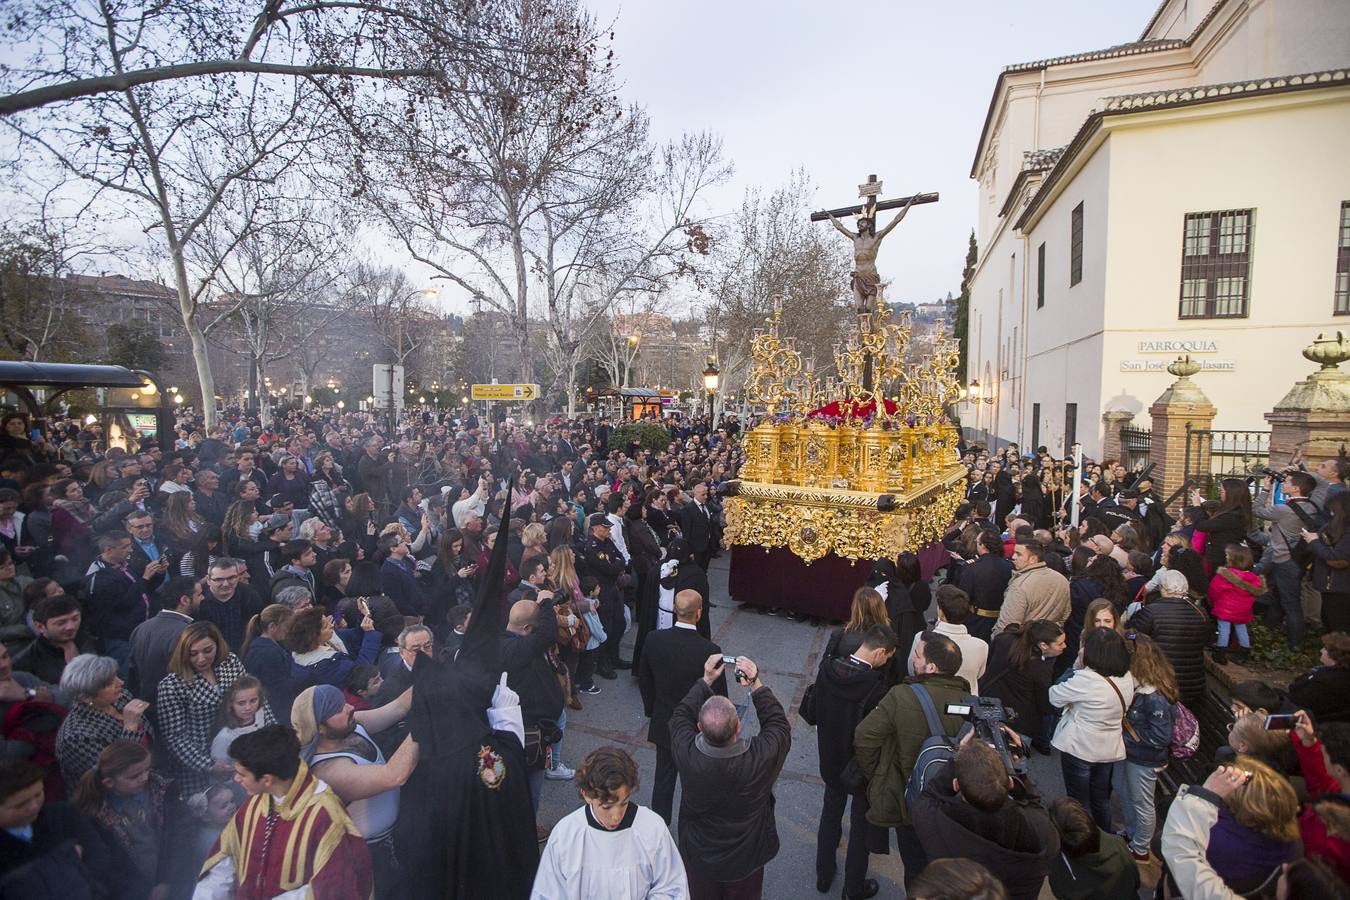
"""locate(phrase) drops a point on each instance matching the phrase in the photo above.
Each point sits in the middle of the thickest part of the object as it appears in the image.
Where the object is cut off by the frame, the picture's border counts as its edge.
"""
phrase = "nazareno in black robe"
(687, 576)
(466, 824)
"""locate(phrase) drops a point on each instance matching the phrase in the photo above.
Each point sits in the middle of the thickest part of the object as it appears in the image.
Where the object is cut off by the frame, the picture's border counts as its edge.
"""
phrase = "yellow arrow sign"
(504, 391)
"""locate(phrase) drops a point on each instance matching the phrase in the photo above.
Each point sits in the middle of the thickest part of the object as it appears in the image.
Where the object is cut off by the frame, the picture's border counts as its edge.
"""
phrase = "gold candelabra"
(879, 477)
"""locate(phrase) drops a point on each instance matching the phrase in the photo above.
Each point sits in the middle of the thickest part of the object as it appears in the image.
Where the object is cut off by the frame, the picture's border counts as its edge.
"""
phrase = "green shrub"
(1270, 649)
(649, 436)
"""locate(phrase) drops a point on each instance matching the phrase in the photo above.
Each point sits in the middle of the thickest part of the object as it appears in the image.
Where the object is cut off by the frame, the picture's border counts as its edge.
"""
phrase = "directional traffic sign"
(504, 391)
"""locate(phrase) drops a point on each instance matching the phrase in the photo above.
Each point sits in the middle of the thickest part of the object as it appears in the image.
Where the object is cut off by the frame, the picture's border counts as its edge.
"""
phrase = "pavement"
(787, 654)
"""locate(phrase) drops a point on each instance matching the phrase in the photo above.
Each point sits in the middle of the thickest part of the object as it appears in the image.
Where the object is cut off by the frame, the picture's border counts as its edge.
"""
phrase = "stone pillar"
(1315, 414)
(1115, 420)
(1180, 405)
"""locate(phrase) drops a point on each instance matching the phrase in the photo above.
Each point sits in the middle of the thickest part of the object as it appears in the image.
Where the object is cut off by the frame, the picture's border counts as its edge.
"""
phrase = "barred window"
(1216, 264)
(1342, 305)
(1040, 276)
(1076, 246)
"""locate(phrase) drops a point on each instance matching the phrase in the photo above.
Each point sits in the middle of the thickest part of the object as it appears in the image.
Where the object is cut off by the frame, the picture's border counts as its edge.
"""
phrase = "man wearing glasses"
(228, 603)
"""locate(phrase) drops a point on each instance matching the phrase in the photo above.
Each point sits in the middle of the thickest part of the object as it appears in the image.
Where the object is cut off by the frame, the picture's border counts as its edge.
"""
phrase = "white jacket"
(1090, 728)
(974, 652)
(1185, 840)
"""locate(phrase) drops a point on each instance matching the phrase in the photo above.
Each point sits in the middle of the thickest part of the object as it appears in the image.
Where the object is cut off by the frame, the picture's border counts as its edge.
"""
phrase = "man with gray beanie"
(336, 744)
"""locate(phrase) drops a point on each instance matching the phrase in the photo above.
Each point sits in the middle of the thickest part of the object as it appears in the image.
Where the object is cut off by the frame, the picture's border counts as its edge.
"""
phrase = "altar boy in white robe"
(611, 848)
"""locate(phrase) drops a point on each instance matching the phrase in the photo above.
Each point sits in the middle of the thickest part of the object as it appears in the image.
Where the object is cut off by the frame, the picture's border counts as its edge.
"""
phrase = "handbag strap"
(1124, 709)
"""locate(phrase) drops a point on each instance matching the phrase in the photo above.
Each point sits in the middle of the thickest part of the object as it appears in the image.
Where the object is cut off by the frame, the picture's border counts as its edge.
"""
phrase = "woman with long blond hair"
(867, 609)
(563, 572)
(1236, 836)
(1152, 714)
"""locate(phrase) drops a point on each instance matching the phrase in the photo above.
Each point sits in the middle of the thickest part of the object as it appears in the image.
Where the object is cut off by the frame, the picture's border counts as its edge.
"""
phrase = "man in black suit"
(672, 660)
(985, 581)
(565, 449)
(847, 689)
(566, 475)
(697, 524)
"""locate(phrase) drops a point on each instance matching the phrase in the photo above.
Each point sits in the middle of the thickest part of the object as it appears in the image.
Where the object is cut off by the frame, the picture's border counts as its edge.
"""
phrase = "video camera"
(985, 715)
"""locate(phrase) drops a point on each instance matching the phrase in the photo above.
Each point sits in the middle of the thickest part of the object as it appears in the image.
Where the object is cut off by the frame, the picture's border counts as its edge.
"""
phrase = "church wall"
(1064, 336)
(1282, 159)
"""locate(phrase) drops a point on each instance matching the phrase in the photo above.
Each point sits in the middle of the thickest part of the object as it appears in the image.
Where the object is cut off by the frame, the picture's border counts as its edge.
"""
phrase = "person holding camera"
(976, 809)
(1285, 573)
(727, 830)
(899, 727)
(847, 688)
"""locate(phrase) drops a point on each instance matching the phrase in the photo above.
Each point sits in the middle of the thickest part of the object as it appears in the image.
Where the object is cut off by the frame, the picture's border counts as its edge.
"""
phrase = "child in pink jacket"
(1232, 593)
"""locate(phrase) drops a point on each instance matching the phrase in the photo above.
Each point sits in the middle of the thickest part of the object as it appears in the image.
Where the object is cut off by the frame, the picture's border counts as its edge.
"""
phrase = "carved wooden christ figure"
(867, 240)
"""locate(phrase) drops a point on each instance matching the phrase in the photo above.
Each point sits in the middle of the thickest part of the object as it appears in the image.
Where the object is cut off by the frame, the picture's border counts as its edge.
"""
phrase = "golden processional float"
(863, 465)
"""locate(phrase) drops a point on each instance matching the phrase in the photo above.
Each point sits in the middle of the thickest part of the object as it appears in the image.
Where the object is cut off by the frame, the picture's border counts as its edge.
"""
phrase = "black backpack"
(1299, 551)
(936, 751)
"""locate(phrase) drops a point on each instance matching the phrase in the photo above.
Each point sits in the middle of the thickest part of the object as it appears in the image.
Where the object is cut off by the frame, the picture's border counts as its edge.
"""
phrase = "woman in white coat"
(1090, 738)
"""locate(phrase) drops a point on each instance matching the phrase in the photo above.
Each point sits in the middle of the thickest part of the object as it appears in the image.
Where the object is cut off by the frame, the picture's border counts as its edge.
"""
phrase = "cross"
(866, 243)
(871, 206)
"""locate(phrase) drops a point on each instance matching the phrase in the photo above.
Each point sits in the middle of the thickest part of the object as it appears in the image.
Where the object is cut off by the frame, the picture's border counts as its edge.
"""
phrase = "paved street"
(787, 653)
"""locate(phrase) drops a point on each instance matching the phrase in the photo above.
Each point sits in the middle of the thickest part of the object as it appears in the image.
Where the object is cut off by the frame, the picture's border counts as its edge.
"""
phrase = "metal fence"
(1213, 455)
(1134, 447)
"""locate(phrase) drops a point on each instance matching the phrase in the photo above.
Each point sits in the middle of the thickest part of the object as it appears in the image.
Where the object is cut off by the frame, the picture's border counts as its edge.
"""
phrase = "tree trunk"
(572, 359)
(200, 357)
(520, 322)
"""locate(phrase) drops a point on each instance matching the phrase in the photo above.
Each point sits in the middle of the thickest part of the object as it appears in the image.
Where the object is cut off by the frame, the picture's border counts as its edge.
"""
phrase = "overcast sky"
(893, 87)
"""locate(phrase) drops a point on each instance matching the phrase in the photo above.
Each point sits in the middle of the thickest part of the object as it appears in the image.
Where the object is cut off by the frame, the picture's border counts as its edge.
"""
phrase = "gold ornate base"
(813, 521)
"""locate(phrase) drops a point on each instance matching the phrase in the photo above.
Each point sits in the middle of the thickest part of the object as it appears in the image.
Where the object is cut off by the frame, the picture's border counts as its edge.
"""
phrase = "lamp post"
(712, 380)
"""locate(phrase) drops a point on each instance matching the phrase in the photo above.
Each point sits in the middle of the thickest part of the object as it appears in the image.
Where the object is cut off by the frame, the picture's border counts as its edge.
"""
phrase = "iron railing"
(1213, 455)
(1134, 447)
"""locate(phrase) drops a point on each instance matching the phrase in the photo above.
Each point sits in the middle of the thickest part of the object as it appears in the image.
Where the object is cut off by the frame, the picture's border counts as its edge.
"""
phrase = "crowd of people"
(334, 657)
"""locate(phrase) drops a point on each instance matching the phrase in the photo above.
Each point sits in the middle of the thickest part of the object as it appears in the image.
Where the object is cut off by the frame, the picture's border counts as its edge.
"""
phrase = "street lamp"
(974, 395)
(342, 404)
(712, 378)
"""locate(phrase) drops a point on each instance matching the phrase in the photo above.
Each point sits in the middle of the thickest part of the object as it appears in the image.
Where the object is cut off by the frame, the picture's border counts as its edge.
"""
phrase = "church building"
(1184, 193)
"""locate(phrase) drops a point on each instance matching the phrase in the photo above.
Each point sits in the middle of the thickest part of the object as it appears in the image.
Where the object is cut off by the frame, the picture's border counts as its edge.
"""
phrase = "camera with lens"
(985, 716)
(1271, 473)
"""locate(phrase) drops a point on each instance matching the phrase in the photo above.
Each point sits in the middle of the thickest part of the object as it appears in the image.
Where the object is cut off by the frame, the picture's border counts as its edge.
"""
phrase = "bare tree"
(772, 249)
(96, 92)
(39, 300)
(77, 49)
(590, 255)
(484, 183)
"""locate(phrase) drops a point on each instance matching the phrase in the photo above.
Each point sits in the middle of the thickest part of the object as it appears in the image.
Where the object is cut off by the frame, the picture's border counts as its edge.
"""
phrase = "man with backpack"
(1287, 565)
(972, 808)
(908, 737)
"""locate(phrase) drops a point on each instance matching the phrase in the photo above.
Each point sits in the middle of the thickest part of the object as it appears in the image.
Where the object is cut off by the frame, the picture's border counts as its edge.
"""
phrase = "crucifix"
(866, 242)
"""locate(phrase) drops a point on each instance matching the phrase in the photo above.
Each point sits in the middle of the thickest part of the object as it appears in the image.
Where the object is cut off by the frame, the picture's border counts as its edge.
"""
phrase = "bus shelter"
(133, 402)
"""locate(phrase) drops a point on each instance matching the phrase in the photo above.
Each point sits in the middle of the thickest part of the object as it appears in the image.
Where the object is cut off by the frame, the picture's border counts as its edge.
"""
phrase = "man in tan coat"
(1035, 591)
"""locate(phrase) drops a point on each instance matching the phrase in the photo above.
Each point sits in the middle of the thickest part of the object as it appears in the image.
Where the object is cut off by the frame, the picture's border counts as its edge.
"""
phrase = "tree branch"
(108, 84)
